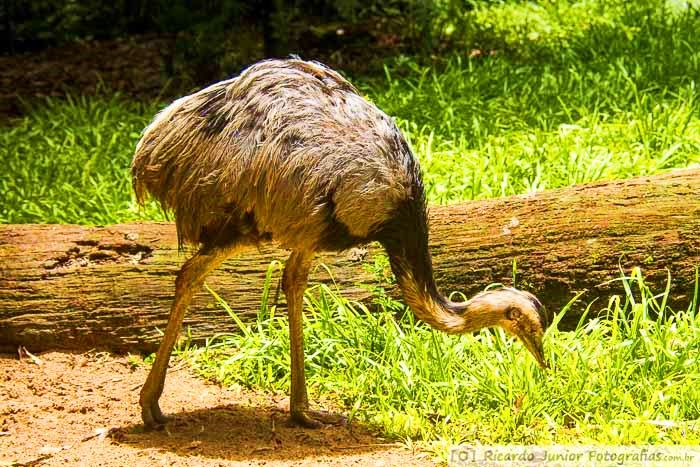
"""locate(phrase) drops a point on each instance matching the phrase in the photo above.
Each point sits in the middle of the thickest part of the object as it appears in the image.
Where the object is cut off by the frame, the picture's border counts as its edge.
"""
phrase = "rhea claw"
(317, 419)
(153, 417)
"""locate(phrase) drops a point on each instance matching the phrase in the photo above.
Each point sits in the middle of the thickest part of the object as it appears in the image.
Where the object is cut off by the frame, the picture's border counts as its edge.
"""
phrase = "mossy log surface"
(78, 287)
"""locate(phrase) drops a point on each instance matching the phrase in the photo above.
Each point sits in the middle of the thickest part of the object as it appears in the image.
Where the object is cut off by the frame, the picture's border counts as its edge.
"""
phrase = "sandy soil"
(82, 409)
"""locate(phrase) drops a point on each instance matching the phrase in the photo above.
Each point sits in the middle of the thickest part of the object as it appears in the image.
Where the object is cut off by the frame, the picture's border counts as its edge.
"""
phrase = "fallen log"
(77, 287)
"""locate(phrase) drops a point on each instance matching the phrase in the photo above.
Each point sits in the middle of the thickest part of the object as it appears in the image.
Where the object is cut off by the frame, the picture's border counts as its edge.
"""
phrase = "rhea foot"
(153, 418)
(316, 418)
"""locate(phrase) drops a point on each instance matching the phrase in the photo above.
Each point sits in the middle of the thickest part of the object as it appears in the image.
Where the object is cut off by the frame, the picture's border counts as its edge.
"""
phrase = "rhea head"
(518, 312)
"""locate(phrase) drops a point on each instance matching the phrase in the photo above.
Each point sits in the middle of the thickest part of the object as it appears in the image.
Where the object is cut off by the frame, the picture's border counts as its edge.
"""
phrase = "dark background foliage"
(213, 38)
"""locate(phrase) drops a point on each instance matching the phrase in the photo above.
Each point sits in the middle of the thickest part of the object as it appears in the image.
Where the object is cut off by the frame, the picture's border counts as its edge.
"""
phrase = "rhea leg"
(294, 280)
(189, 280)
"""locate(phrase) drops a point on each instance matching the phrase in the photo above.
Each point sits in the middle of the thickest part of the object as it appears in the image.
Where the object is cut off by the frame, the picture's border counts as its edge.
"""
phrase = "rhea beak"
(532, 340)
(533, 343)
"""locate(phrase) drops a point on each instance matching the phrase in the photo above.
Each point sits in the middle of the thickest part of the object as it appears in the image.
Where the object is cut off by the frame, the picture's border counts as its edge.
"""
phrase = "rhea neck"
(406, 242)
(421, 294)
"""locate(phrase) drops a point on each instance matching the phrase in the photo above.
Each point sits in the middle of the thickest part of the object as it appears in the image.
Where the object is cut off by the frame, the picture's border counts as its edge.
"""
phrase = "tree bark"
(77, 287)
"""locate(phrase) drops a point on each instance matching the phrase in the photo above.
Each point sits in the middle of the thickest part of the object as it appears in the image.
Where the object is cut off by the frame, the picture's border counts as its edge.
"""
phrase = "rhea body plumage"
(289, 151)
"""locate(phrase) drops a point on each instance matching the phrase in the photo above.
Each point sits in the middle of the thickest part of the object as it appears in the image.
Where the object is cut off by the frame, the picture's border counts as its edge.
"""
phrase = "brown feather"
(288, 146)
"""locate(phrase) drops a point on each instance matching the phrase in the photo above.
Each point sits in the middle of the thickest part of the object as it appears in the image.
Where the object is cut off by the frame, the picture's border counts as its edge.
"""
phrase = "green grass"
(574, 92)
(68, 161)
(615, 98)
(627, 379)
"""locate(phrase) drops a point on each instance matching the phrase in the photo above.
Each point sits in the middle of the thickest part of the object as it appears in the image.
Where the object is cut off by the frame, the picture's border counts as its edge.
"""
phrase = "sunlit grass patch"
(639, 142)
(67, 161)
(500, 128)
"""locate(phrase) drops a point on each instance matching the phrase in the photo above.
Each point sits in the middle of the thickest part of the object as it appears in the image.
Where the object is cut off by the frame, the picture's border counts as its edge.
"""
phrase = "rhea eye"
(512, 313)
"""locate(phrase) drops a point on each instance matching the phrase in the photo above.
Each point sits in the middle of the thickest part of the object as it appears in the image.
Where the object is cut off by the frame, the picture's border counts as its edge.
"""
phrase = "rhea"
(289, 151)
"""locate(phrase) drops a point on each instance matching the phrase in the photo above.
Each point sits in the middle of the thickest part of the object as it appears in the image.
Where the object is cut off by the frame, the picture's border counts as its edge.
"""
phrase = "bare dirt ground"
(82, 409)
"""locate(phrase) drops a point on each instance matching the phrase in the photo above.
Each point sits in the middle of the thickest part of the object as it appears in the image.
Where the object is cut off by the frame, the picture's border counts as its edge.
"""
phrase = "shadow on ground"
(240, 433)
